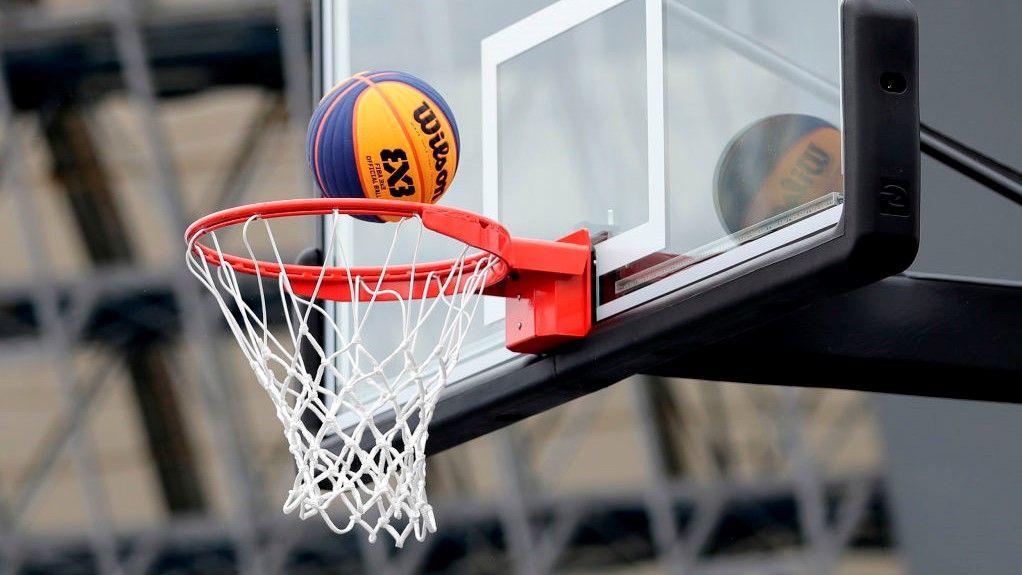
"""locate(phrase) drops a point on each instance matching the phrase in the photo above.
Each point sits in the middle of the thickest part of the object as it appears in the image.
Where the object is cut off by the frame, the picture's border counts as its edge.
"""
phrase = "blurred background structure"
(132, 440)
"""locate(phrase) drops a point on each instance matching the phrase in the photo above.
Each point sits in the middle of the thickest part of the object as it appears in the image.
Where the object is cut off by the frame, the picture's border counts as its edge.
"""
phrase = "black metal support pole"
(972, 164)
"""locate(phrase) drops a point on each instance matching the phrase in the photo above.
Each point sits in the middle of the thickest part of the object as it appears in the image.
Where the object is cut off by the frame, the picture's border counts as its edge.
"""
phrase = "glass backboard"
(696, 140)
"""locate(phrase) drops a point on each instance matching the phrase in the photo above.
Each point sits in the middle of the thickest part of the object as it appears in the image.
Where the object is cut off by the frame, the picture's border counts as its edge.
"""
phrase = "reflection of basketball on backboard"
(383, 135)
(775, 165)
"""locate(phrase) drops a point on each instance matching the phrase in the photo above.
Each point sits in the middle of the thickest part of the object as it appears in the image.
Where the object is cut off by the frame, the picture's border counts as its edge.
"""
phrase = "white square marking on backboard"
(528, 33)
(544, 26)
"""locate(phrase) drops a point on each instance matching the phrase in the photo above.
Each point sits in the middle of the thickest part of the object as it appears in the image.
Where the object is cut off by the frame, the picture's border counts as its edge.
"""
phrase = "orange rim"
(389, 283)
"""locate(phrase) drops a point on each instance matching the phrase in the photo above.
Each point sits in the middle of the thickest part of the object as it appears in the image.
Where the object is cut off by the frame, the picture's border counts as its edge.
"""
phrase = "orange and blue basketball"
(385, 135)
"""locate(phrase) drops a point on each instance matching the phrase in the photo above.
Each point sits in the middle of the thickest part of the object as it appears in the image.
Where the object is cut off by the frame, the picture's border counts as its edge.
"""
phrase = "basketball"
(384, 135)
(775, 165)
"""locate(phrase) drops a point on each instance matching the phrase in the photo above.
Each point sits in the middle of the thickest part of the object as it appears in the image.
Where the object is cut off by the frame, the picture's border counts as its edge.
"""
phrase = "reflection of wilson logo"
(812, 164)
(395, 163)
(427, 120)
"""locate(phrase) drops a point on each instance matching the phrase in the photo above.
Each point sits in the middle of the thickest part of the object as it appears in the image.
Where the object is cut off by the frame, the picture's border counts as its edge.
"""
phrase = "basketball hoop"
(356, 421)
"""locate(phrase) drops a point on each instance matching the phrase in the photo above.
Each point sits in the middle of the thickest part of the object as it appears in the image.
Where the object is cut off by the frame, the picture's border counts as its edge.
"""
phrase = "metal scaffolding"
(698, 511)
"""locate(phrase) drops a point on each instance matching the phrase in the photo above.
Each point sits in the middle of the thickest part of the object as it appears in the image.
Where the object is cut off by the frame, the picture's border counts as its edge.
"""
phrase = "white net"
(356, 419)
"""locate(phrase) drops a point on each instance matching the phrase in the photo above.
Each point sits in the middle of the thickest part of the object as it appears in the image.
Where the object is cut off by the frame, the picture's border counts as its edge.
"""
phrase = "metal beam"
(169, 437)
(809, 491)
(78, 168)
(598, 513)
(56, 440)
(515, 505)
(192, 48)
(659, 508)
(55, 337)
(241, 168)
(79, 171)
(233, 449)
(929, 336)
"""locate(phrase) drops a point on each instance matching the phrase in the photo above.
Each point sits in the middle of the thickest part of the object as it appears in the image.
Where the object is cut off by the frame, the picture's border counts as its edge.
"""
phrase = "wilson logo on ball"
(426, 118)
(811, 164)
